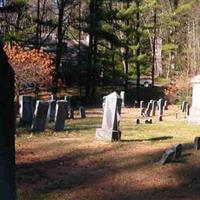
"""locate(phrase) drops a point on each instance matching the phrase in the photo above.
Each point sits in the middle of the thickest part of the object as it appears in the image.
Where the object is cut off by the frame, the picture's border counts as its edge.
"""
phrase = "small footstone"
(167, 157)
(137, 121)
(197, 143)
(178, 150)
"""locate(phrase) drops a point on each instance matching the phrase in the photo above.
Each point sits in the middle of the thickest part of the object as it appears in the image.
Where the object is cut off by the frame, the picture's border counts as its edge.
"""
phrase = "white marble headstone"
(194, 116)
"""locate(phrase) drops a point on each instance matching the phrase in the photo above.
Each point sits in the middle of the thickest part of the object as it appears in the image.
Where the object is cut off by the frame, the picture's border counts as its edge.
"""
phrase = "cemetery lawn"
(72, 165)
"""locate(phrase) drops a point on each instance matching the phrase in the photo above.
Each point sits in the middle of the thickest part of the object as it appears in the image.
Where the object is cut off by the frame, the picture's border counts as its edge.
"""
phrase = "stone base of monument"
(108, 134)
(194, 117)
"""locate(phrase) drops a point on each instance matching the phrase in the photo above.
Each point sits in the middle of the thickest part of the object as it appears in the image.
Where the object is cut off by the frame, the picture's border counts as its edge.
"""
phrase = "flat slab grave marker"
(40, 116)
(111, 119)
(60, 115)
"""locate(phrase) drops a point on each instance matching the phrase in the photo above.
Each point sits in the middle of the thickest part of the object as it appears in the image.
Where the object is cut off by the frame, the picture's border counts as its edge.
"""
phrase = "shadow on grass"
(149, 139)
(89, 168)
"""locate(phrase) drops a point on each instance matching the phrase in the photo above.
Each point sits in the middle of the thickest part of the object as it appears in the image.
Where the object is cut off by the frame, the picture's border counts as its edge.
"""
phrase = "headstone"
(160, 118)
(142, 109)
(54, 97)
(111, 119)
(40, 116)
(197, 143)
(51, 111)
(69, 100)
(167, 157)
(160, 107)
(7, 129)
(148, 109)
(153, 110)
(165, 105)
(194, 116)
(122, 95)
(183, 106)
(187, 110)
(82, 112)
(178, 150)
(60, 115)
(148, 121)
(137, 121)
(71, 113)
(26, 109)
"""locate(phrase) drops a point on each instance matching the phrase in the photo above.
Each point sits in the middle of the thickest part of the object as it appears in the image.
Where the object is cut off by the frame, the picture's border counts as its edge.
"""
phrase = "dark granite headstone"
(197, 143)
(160, 118)
(82, 112)
(7, 129)
(111, 119)
(60, 115)
(40, 116)
(167, 157)
(178, 150)
(26, 109)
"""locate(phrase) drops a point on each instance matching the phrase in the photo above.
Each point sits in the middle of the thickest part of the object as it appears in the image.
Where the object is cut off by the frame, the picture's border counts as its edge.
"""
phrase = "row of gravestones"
(38, 113)
(112, 105)
(152, 106)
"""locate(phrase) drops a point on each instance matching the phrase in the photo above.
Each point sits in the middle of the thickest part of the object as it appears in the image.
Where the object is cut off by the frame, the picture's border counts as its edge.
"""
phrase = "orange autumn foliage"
(31, 66)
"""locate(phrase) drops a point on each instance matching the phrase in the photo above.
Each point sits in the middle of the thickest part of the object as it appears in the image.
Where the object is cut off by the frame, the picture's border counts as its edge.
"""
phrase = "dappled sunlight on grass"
(72, 165)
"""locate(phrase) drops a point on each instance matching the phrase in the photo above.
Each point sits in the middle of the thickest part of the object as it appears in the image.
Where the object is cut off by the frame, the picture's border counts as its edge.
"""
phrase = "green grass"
(80, 146)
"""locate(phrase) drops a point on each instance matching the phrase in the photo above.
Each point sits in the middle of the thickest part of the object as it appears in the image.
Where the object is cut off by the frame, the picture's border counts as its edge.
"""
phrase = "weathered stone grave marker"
(160, 107)
(82, 112)
(197, 143)
(26, 109)
(194, 116)
(153, 110)
(40, 116)
(148, 109)
(60, 115)
(111, 119)
(142, 109)
(167, 157)
(178, 150)
(122, 95)
(51, 110)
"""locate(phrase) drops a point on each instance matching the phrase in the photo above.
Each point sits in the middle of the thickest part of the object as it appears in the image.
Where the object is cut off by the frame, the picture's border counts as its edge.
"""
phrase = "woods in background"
(108, 42)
